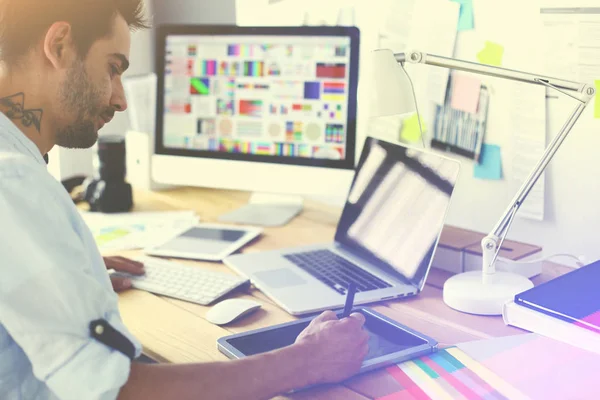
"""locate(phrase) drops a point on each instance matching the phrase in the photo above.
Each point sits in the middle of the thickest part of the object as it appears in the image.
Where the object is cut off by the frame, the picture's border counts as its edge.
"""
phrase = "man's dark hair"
(24, 22)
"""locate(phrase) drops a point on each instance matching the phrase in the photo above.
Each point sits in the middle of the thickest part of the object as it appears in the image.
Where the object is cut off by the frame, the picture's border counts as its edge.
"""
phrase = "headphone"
(107, 197)
(108, 191)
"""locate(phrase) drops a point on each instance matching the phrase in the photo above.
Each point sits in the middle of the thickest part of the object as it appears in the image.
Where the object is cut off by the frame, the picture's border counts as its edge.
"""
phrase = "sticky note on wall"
(466, 16)
(465, 92)
(410, 129)
(597, 100)
(490, 163)
(491, 54)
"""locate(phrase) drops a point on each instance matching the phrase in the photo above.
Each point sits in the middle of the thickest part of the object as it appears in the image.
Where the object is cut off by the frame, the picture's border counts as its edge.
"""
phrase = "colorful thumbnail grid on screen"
(286, 98)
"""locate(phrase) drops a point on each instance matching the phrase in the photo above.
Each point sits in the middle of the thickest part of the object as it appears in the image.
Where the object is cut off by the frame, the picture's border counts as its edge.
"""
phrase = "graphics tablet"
(211, 242)
(389, 341)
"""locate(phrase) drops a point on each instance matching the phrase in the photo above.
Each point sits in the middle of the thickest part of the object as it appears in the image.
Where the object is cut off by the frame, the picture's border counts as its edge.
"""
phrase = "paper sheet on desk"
(135, 230)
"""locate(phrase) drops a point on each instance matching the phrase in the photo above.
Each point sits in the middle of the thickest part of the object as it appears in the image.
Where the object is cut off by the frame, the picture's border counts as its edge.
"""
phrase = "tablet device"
(389, 341)
(211, 242)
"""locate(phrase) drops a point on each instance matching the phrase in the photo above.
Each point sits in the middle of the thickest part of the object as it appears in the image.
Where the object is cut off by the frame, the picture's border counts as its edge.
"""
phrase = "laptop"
(384, 242)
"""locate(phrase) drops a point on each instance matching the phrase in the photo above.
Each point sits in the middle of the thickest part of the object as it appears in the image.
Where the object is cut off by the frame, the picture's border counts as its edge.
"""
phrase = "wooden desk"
(176, 331)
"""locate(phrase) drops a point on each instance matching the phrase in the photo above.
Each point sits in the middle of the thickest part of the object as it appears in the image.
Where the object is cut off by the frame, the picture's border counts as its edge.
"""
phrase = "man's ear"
(59, 48)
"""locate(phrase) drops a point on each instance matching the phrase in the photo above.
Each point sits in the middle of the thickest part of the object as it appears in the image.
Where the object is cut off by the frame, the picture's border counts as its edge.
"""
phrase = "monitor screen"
(396, 207)
(285, 95)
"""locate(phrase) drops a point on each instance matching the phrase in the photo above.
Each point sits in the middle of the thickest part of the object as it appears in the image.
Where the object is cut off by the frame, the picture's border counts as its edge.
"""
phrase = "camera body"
(109, 192)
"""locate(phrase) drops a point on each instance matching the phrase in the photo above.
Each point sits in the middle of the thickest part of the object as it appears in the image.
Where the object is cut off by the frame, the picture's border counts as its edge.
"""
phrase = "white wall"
(572, 196)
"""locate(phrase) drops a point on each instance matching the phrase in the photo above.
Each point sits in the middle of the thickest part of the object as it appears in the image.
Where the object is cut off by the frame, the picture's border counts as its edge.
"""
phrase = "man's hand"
(337, 347)
(122, 264)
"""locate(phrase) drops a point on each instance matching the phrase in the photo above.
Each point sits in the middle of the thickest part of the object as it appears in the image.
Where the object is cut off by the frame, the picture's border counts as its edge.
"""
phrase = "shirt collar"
(19, 140)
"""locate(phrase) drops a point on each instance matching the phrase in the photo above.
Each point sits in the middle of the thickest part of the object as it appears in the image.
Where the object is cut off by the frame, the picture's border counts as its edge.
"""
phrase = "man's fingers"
(358, 317)
(326, 316)
(123, 264)
(120, 283)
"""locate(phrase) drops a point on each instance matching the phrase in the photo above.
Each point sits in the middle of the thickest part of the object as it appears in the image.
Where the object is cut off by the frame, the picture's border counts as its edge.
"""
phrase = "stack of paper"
(136, 230)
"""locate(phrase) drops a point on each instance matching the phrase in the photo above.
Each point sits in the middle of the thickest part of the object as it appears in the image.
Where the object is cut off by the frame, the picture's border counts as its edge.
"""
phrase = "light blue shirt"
(53, 283)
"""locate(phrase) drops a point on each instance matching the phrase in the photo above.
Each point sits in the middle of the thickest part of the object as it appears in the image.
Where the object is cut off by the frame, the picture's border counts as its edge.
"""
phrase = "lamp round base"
(466, 292)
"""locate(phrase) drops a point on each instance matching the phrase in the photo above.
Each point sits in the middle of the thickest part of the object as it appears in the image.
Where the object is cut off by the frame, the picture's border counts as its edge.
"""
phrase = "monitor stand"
(266, 210)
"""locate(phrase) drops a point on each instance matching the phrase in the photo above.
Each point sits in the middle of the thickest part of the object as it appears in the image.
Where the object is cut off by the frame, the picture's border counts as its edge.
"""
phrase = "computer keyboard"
(183, 282)
(335, 271)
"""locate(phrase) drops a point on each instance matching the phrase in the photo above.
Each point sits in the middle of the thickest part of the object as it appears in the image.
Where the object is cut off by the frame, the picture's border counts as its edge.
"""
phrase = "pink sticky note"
(465, 93)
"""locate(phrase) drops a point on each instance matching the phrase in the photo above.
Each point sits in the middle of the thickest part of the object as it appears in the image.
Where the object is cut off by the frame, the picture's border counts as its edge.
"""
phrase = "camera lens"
(111, 157)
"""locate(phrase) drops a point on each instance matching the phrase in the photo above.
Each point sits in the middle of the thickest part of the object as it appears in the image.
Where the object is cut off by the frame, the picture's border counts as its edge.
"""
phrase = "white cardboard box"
(459, 250)
(449, 255)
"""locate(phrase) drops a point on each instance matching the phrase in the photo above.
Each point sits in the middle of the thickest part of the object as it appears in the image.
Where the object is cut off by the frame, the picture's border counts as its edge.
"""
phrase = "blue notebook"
(573, 297)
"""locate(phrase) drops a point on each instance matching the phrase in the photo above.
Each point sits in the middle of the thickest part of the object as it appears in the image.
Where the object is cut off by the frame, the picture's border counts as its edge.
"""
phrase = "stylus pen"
(349, 300)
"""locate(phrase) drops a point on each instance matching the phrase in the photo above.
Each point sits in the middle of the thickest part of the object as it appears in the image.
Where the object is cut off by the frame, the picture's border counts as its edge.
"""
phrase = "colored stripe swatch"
(285, 149)
(244, 50)
(334, 87)
(334, 133)
(200, 86)
(253, 68)
(206, 68)
(264, 149)
(293, 131)
(334, 91)
(302, 107)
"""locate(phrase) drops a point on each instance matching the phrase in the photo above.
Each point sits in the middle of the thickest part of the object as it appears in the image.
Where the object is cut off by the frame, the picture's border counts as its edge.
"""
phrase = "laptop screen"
(396, 207)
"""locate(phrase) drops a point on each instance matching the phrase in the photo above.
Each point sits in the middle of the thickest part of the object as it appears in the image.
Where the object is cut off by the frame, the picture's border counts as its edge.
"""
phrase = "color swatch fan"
(515, 367)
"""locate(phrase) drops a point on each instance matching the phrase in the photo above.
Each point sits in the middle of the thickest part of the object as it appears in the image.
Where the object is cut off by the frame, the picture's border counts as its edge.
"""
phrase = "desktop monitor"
(261, 109)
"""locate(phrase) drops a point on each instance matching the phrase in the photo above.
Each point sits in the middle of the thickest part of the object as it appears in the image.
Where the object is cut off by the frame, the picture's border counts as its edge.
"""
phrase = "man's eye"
(114, 70)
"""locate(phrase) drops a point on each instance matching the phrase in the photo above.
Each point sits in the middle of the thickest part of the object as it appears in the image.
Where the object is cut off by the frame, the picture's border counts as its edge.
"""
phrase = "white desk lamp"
(475, 292)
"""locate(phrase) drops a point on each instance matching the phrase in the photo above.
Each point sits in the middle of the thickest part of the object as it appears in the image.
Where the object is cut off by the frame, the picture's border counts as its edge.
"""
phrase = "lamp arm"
(416, 57)
(489, 245)
(492, 243)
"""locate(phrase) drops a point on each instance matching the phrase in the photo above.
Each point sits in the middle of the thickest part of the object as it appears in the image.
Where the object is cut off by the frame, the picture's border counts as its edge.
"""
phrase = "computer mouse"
(230, 310)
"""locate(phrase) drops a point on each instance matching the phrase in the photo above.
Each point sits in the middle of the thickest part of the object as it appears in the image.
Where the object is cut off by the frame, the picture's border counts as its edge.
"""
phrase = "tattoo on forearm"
(15, 109)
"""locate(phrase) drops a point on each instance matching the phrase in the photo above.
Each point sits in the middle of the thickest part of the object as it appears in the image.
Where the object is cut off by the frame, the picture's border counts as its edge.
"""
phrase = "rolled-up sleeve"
(49, 295)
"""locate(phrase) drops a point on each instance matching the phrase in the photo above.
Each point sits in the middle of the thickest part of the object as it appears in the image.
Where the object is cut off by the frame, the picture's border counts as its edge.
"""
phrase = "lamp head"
(392, 92)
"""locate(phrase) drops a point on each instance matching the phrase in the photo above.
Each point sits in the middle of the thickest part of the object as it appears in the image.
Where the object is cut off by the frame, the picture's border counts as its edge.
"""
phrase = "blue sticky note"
(466, 17)
(490, 163)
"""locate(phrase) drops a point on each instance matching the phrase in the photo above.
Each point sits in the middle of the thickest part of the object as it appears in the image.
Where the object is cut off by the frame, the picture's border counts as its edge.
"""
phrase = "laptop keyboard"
(335, 271)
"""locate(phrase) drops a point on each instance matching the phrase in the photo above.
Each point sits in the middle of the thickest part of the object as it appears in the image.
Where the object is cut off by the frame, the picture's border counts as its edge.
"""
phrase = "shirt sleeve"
(49, 295)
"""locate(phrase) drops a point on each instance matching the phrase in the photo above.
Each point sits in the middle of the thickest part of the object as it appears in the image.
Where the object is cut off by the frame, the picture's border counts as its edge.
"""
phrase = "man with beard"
(61, 63)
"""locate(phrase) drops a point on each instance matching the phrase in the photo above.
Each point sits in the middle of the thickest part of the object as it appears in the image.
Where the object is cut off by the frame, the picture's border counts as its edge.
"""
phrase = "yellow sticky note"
(410, 129)
(491, 54)
(597, 101)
